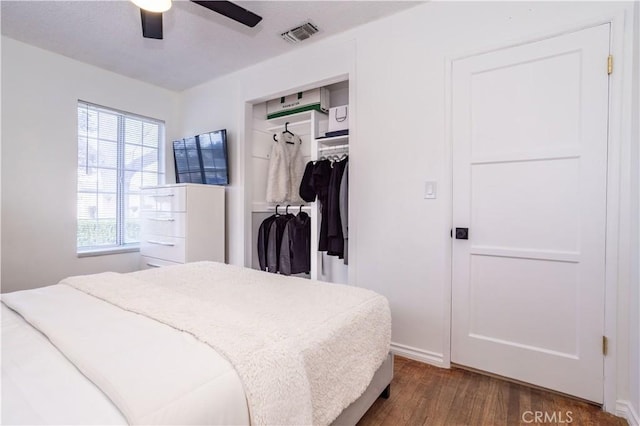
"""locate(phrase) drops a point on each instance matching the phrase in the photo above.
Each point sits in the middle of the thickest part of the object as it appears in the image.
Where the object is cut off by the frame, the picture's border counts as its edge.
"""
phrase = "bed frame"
(380, 386)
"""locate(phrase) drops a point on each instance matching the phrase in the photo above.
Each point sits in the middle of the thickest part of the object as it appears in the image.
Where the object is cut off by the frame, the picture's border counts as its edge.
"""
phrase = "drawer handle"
(153, 265)
(162, 195)
(161, 243)
(162, 219)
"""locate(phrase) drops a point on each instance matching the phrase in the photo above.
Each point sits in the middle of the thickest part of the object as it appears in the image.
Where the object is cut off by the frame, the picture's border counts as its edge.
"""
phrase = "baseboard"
(417, 354)
(625, 410)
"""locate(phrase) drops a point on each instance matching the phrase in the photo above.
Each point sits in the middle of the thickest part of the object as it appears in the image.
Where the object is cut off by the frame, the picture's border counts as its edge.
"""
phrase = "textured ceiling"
(198, 44)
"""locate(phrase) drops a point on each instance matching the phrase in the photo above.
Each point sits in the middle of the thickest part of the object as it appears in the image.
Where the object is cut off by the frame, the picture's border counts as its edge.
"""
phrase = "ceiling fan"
(151, 14)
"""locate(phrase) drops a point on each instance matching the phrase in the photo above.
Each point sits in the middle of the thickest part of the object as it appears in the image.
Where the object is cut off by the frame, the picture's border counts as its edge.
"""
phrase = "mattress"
(203, 343)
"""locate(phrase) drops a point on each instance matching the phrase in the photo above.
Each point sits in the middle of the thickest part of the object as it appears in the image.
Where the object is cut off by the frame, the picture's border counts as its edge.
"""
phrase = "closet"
(311, 127)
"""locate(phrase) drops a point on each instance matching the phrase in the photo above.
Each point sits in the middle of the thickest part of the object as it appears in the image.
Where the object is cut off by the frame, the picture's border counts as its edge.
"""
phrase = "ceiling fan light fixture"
(157, 6)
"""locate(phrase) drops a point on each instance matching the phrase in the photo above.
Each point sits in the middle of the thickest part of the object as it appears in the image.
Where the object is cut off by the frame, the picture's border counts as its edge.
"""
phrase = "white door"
(529, 126)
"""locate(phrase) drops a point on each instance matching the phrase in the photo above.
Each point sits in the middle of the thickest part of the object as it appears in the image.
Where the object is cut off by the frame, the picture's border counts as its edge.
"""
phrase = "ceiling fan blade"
(151, 24)
(233, 11)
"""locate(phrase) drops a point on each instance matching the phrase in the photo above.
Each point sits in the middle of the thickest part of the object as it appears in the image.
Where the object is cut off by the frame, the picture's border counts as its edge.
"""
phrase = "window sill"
(107, 251)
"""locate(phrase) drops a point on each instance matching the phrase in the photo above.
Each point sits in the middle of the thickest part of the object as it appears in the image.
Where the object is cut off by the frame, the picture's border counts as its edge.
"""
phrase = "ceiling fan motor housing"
(152, 21)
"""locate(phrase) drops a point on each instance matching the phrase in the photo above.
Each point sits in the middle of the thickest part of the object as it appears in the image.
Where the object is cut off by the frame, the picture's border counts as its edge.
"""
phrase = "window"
(118, 153)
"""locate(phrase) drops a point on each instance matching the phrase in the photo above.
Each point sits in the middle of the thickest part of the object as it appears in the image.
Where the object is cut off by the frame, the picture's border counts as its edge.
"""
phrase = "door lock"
(462, 233)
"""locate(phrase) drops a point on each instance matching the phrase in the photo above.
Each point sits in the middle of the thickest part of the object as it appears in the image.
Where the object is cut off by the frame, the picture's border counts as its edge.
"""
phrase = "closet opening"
(297, 189)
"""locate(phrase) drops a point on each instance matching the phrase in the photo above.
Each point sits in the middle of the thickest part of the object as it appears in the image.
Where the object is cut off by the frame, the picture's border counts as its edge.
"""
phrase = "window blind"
(118, 153)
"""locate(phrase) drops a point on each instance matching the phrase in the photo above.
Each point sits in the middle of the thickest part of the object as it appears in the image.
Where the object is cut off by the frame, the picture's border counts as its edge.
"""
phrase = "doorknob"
(462, 233)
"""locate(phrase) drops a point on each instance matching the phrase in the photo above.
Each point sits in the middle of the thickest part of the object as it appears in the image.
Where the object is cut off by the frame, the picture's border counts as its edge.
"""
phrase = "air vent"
(300, 33)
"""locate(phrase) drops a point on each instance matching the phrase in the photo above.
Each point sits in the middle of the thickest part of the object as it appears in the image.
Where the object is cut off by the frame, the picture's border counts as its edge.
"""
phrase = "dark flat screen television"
(202, 159)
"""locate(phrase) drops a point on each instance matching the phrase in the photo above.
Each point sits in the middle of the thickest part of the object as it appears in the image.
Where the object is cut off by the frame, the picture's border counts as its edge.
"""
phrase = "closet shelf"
(333, 147)
(293, 118)
(335, 140)
(291, 124)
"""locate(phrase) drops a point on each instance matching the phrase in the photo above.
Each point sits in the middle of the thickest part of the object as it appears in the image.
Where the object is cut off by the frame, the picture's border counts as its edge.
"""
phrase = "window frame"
(120, 246)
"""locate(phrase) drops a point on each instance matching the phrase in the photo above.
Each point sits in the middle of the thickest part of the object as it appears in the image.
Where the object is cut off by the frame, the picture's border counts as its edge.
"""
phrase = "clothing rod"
(327, 148)
(292, 207)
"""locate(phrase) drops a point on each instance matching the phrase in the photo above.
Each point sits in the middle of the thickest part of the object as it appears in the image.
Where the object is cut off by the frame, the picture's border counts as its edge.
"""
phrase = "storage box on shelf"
(315, 99)
(182, 223)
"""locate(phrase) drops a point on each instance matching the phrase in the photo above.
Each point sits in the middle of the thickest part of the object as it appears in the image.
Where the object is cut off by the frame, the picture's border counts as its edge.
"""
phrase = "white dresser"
(182, 223)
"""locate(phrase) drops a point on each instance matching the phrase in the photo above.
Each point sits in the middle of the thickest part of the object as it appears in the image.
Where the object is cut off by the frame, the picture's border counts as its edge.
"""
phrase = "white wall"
(40, 91)
(397, 66)
(204, 110)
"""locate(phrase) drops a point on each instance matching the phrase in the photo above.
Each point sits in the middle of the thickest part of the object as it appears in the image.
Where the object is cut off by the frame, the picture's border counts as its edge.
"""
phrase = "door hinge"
(610, 64)
(605, 345)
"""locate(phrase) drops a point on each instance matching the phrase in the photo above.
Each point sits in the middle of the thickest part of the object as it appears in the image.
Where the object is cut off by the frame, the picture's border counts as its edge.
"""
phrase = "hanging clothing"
(344, 211)
(320, 185)
(295, 250)
(278, 174)
(335, 238)
(275, 241)
(306, 190)
(263, 240)
(286, 168)
(296, 169)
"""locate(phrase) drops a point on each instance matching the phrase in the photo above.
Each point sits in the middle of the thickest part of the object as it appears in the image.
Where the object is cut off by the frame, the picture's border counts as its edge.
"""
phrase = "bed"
(201, 343)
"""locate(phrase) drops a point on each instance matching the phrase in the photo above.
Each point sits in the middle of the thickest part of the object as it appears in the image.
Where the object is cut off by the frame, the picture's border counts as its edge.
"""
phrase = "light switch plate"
(430, 189)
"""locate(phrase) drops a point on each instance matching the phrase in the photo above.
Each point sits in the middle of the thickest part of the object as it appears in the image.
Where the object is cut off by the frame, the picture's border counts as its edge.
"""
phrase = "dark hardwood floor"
(425, 395)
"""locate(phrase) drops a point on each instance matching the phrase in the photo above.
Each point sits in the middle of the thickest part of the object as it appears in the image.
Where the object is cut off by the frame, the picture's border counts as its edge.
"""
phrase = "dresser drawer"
(150, 262)
(170, 224)
(173, 199)
(163, 247)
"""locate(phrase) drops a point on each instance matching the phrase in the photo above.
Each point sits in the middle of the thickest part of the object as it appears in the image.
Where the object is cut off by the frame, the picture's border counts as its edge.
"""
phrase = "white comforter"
(152, 373)
(40, 386)
(303, 350)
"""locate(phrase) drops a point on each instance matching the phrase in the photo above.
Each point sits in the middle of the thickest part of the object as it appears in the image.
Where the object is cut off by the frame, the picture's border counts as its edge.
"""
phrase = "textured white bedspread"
(304, 350)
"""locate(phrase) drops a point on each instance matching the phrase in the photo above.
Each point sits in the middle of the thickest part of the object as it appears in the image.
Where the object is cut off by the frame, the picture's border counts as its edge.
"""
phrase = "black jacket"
(275, 241)
(263, 240)
(320, 184)
(295, 250)
(335, 238)
(307, 192)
